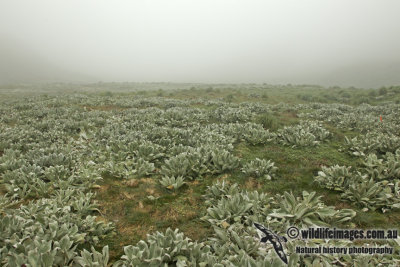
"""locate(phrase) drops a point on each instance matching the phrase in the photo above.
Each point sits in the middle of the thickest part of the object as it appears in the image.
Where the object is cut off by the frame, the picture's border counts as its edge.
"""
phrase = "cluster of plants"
(260, 168)
(47, 210)
(374, 185)
(375, 140)
(252, 133)
(232, 213)
(55, 149)
(362, 118)
(372, 142)
(51, 231)
(307, 133)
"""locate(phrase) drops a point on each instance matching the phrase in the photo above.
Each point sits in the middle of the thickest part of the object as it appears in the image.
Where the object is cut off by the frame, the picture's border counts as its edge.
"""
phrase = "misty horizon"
(343, 43)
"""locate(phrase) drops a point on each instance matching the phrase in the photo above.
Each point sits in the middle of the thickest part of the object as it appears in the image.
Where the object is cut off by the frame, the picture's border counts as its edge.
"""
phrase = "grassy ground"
(128, 206)
(126, 203)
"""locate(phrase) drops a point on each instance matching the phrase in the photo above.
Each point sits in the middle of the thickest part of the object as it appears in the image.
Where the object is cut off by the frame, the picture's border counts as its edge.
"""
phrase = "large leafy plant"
(335, 177)
(260, 168)
(172, 182)
(308, 210)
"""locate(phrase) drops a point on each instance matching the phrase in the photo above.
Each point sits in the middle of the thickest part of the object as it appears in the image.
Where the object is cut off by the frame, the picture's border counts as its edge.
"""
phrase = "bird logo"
(275, 240)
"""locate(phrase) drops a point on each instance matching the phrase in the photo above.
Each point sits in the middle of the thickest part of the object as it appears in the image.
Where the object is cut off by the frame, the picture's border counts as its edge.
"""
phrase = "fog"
(331, 42)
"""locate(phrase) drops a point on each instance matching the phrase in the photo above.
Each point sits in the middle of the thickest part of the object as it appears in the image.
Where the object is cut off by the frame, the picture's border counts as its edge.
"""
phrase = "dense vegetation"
(103, 174)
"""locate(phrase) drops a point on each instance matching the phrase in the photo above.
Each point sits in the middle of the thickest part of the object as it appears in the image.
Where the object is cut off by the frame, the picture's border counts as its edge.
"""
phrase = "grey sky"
(320, 41)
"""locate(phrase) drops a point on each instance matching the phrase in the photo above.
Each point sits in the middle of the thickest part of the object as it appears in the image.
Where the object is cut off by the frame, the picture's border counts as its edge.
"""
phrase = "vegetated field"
(103, 174)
